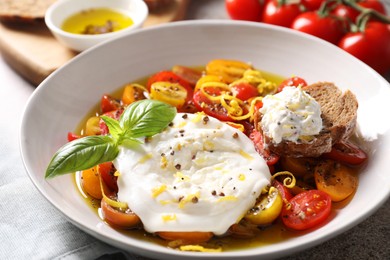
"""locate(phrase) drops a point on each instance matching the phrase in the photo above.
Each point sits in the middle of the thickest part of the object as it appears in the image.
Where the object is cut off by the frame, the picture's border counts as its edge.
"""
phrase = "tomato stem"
(365, 12)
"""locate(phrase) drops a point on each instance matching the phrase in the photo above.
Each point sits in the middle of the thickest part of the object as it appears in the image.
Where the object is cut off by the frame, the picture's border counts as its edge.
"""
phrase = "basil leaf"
(82, 154)
(146, 118)
(113, 126)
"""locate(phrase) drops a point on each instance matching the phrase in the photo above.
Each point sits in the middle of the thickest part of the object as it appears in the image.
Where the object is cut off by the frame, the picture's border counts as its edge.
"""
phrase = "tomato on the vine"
(281, 13)
(372, 46)
(312, 5)
(248, 10)
(350, 14)
(321, 25)
(306, 210)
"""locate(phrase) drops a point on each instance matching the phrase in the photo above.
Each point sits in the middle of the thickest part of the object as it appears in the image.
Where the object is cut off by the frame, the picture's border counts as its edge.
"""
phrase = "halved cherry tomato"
(73, 136)
(228, 70)
(108, 103)
(270, 157)
(90, 181)
(243, 230)
(188, 74)
(168, 92)
(116, 218)
(298, 166)
(247, 10)
(244, 90)
(92, 126)
(347, 152)
(169, 76)
(132, 93)
(292, 82)
(187, 237)
(335, 179)
(211, 108)
(116, 114)
(283, 191)
(106, 171)
(280, 13)
(306, 210)
(267, 209)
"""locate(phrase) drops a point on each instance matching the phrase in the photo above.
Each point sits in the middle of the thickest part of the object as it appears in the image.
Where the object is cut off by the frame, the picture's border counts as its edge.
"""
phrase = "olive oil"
(96, 21)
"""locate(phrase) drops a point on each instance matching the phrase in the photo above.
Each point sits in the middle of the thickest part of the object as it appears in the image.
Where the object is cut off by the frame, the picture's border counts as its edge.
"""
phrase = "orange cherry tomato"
(116, 218)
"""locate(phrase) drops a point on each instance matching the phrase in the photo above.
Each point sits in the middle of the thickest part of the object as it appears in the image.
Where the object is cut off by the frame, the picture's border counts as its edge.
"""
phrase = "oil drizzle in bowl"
(96, 21)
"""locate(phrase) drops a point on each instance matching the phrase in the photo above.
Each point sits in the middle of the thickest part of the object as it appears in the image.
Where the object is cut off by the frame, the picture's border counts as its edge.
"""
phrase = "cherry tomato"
(244, 91)
(171, 93)
(132, 93)
(187, 237)
(312, 5)
(267, 209)
(92, 126)
(108, 104)
(113, 114)
(292, 82)
(188, 74)
(204, 104)
(283, 191)
(116, 218)
(91, 182)
(169, 76)
(270, 157)
(306, 210)
(106, 171)
(347, 152)
(72, 136)
(370, 46)
(298, 166)
(324, 27)
(335, 179)
(282, 14)
(248, 10)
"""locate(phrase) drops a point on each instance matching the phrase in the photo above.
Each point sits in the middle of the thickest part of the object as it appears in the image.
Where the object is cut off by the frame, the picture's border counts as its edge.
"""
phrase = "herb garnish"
(140, 119)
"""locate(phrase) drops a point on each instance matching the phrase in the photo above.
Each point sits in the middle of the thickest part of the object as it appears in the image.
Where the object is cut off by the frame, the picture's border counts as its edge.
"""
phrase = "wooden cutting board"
(34, 53)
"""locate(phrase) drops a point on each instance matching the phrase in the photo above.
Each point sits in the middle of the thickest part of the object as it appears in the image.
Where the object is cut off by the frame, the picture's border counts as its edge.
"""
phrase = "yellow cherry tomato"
(228, 70)
(267, 209)
(132, 93)
(168, 92)
(92, 126)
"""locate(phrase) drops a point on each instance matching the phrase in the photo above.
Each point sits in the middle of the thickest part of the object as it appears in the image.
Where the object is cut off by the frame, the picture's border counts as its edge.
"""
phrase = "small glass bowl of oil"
(80, 25)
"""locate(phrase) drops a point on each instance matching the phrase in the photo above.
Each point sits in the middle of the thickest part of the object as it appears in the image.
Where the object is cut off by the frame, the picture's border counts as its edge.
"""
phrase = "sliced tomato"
(116, 114)
(171, 93)
(306, 210)
(202, 103)
(292, 82)
(107, 171)
(347, 152)
(244, 90)
(284, 192)
(169, 76)
(188, 74)
(119, 219)
(72, 136)
(336, 179)
(270, 157)
(108, 103)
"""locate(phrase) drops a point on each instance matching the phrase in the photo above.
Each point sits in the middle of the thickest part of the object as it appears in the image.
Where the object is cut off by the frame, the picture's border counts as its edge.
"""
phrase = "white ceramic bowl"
(62, 9)
(63, 99)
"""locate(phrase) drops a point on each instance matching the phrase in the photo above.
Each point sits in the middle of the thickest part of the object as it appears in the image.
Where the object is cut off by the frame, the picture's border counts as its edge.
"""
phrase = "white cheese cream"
(291, 115)
(199, 174)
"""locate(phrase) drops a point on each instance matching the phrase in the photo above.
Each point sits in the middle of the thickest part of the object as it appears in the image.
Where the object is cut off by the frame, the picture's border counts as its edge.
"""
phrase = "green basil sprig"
(140, 119)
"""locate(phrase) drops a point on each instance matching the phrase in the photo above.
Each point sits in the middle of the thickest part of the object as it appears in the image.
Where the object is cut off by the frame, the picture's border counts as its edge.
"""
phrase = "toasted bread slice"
(338, 113)
(23, 11)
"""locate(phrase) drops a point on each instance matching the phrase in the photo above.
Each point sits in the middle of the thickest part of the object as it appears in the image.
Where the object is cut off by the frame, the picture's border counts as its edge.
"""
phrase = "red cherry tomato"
(324, 27)
(292, 82)
(244, 91)
(202, 103)
(72, 136)
(113, 114)
(306, 210)
(257, 139)
(106, 171)
(169, 76)
(346, 152)
(280, 14)
(284, 192)
(118, 218)
(371, 46)
(108, 104)
(248, 10)
(312, 5)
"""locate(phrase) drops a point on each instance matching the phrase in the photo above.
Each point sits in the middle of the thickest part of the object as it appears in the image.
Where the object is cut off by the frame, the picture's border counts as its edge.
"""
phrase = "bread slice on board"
(23, 11)
(338, 113)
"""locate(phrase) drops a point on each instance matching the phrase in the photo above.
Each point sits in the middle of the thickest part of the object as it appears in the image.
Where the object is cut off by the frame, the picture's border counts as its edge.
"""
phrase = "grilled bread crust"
(338, 113)
(23, 11)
